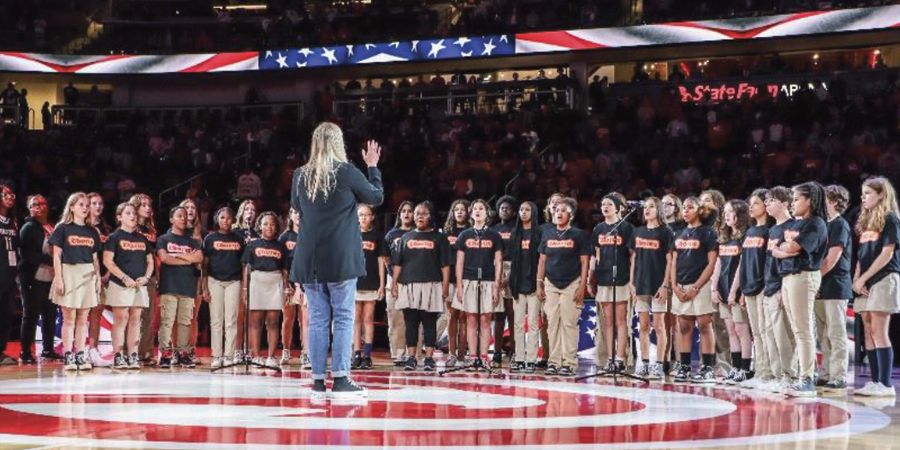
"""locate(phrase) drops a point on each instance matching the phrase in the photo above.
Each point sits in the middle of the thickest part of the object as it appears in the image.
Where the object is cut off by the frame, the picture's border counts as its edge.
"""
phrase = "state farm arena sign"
(691, 93)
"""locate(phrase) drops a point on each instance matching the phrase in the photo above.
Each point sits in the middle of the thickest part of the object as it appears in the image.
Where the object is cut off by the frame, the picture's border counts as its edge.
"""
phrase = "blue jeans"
(329, 302)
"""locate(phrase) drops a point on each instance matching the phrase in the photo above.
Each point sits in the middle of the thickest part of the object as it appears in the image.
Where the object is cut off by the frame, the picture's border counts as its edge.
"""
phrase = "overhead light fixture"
(250, 6)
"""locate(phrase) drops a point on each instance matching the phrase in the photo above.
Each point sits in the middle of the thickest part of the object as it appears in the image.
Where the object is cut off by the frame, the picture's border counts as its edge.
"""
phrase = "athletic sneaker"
(271, 362)
(410, 364)
(238, 357)
(429, 364)
(96, 360)
(676, 366)
(356, 362)
(451, 362)
(134, 362)
(497, 361)
(366, 363)
(729, 379)
(880, 390)
(867, 390)
(344, 387)
(69, 362)
(185, 360)
(739, 377)
(551, 370)
(566, 371)
(783, 386)
(81, 362)
(609, 367)
(821, 382)
(165, 360)
(50, 354)
(318, 388)
(119, 361)
(516, 367)
(704, 376)
(751, 383)
(195, 360)
(683, 375)
(26, 358)
(838, 385)
(305, 363)
(285, 357)
(216, 363)
(803, 388)
(643, 371)
(656, 372)
(530, 367)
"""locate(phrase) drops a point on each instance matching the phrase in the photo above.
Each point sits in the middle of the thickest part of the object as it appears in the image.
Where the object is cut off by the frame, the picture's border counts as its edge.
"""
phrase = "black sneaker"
(81, 362)
(530, 367)
(706, 375)
(345, 387)
(185, 360)
(318, 387)
(356, 362)
(566, 371)
(119, 361)
(399, 362)
(69, 362)
(429, 364)
(497, 361)
(620, 366)
(6, 360)
(50, 354)
(366, 363)
(551, 370)
(165, 360)
(26, 358)
(683, 374)
(410, 364)
(516, 367)
(134, 363)
(195, 360)
(821, 382)
(542, 364)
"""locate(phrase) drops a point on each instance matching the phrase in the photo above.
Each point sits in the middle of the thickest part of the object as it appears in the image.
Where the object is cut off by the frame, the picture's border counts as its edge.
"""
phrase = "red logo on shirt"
(473, 243)
(451, 240)
(790, 235)
(227, 246)
(773, 244)
(687, 244)
(368, 246)
(130, 246)
(175, 248)
(526, 245)
(290, 245)
(103, 238)
(267, 253)
(646, 244)
(420, 245)
(754, 242)
(80, 241)
(505, 235)
(869, 236)
(609, 240)
(565, 243)
(729, 250)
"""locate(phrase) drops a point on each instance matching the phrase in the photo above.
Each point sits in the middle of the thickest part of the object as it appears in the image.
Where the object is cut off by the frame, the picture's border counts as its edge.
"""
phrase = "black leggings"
(428, 320)
(8, 289)
(36, 302)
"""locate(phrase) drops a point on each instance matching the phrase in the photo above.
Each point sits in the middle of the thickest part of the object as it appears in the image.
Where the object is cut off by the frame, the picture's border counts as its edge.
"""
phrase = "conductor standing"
(328, 257)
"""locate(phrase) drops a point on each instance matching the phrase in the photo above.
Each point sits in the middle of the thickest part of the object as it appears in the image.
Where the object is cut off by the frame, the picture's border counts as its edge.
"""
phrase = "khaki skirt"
(884, 296)
(605, 294)
(423, 296)
(80, 282)
(123, 297)
(470, 298)
(266, 291)
(367, 296)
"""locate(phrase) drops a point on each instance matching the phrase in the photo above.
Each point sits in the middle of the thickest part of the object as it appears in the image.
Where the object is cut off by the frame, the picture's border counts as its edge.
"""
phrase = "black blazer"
(329, 245)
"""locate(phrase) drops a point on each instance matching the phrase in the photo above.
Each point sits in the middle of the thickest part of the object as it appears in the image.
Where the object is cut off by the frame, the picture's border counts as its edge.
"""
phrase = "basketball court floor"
(44, 407)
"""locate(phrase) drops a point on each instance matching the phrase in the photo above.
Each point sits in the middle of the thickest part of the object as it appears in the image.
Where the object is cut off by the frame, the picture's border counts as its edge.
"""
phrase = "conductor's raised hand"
(371, 153)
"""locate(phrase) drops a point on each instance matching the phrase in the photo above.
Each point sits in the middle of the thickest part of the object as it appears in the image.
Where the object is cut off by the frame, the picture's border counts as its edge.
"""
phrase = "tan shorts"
(123, 297)
(80, 282)
(701, 304)
(605, 293)
(266, 291)
(470, 298)
(735, 313)
(884, 296)
(367, 296)
(651, 304)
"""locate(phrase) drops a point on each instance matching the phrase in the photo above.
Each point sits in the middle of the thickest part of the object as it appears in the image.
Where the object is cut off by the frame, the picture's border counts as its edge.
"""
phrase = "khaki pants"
(800, 296)
(723, 347)
(147, 331)
(223, 309)
(175, 309)
(562, 323)
(756, 316)
(396, 326)
(779, 340)
(831, 331)
(601, 354)
(527, 344)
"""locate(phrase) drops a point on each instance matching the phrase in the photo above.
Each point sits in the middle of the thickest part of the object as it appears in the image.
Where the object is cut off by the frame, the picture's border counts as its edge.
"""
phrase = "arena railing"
(66, 115)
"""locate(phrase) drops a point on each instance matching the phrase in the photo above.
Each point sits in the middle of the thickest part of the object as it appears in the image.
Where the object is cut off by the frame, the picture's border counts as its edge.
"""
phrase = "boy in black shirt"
(834, 293)
(751, 280)
(506, 212)
(221, 284)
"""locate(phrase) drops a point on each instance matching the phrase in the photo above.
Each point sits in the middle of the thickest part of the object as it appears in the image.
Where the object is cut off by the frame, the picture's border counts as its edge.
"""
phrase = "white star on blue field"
(397, 51)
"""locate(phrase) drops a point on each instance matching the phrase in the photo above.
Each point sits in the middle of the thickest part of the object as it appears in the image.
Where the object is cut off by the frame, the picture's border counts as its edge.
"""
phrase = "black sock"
(666, 366)
(646, 362)
(736, 358)
(885, 364)
(872, 355)
(709, 359)
(745, 364)
(686, 359)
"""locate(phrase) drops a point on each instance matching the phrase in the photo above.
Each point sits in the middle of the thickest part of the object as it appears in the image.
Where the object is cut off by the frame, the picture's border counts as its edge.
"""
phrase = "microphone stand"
(247, 361)
(477, 364)
(615, 372)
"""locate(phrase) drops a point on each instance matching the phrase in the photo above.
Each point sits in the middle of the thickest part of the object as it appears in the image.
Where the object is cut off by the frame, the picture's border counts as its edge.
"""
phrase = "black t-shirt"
(650, 247)
(677, 227)
(563, 250)
(9, 258)
(223, 255)
(246, 234)
(812, 236)
(392, 244)
(527, 267)
(753, 260)
(451, 238)
(289, 240)
(130, 252)
(773, 278)
(479, 248)
(103, 230)
(422, 255)
(371, 246)
(265, 255)
(871, 243)
(729, 256)
(79, 243)
(149, 235)
(505, 232)
(836, 284)
(607, 246)
(177, 280)
(692, 248)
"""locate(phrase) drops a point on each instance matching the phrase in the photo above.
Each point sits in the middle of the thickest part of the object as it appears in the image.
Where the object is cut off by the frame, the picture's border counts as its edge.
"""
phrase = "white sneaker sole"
(346, 395)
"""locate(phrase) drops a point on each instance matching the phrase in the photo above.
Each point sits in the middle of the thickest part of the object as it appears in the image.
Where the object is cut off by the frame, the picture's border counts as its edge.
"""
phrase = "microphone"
(635, 203)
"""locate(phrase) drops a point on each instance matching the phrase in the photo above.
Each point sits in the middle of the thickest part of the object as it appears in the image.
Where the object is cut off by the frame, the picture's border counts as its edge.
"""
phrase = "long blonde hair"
(68, 216)
(239, 219)
(326, 153)
(873, 219)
